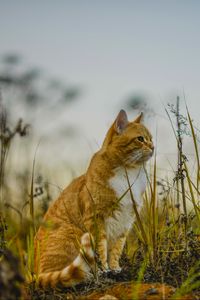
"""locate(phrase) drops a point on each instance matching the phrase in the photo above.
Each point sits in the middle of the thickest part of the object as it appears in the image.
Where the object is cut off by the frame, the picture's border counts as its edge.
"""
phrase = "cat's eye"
(140, 138)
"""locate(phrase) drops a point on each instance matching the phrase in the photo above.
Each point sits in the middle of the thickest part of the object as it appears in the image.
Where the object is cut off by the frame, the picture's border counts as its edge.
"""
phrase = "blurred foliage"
(25, 91)
(138, 101)
(10, 277)
(31, 87)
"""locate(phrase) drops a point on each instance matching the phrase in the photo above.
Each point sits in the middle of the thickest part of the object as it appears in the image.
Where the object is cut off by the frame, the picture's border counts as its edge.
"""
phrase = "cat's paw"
(104, 271)
(117, 270)
(104, 268)
(107, 270)
(110, 274)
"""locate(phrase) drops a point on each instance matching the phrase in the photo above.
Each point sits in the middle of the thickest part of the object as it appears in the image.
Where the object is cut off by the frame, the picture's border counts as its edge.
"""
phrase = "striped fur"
(77, 271)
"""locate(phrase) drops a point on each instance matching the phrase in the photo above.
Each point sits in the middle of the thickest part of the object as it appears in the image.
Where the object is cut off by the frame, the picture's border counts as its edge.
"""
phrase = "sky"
(111, 49)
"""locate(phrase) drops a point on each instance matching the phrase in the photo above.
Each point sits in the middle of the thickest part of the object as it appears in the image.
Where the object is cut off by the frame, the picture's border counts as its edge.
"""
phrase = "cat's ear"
(139, 118)
(121, 122)
(117, 127)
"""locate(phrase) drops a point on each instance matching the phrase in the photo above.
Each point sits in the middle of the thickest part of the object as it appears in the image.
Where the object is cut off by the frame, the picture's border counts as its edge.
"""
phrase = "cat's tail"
(77, 271)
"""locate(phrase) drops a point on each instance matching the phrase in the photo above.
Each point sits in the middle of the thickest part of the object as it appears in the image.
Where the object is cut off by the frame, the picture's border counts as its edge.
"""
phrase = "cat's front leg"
(103, 247)
(115, 252)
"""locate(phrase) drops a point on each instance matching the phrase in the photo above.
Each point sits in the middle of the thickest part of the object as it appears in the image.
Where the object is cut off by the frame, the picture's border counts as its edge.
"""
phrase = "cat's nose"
(152, 148)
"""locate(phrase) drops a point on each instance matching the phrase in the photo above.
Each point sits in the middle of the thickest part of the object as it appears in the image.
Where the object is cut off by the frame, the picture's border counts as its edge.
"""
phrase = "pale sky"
(111, 49)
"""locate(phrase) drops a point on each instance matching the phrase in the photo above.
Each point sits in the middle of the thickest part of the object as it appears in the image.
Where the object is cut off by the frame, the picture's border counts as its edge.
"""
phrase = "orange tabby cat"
(95, 210)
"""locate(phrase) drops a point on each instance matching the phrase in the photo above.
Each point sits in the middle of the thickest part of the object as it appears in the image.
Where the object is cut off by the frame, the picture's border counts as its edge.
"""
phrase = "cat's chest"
(137, 179)
(122, 219)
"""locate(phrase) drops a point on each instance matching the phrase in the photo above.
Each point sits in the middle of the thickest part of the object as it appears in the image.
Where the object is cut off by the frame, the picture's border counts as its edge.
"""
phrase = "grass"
(164, 245)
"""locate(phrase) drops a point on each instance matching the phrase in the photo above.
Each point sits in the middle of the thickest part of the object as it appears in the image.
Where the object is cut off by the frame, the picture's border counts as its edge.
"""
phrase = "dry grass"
(164, 245)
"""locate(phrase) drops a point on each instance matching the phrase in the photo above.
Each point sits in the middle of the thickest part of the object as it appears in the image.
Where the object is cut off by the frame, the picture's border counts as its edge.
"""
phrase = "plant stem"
(181, 163)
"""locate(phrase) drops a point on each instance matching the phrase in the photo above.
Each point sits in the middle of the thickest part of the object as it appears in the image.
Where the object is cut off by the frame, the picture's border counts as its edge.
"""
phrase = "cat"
(95, 212)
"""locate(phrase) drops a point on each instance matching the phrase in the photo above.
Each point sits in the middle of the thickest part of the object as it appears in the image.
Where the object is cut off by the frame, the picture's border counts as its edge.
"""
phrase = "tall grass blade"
(192, 193)
(137, 285)
(154, 215)
(195, 146)
(136, 211)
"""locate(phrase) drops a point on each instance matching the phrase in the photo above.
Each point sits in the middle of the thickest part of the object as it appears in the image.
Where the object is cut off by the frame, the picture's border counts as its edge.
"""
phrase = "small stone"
(152, 291)
(108, 297)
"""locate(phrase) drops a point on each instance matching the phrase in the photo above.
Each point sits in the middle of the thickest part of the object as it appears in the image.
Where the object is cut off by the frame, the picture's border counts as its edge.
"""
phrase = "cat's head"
(129, 143)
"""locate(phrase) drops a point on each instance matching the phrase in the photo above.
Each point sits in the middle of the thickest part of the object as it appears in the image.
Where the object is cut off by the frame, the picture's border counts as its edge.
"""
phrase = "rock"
(108, 297)
(133, 290)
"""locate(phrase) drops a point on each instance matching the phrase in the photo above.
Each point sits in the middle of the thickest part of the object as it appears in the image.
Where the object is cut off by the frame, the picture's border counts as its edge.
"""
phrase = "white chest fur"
(123, 218)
